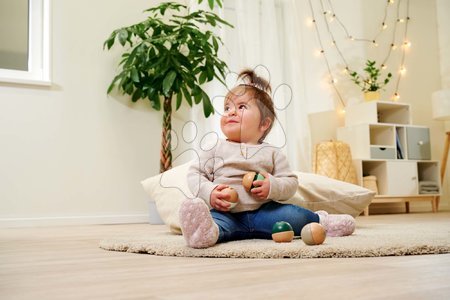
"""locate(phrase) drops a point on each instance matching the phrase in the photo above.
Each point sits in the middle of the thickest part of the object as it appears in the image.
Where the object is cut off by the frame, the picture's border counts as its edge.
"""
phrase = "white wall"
(70, 153)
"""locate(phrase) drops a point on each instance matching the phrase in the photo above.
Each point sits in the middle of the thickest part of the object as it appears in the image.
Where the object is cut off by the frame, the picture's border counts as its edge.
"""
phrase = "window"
(25, 55)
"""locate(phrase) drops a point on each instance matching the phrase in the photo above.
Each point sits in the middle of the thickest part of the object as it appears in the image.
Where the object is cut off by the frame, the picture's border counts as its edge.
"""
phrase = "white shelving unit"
(386, 145)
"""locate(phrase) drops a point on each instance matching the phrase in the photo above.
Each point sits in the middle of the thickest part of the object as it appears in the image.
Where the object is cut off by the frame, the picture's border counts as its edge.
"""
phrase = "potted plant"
(168, 57)
(371, 83)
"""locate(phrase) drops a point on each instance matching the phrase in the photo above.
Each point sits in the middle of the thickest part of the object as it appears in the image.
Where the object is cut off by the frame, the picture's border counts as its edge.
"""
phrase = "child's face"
(241, 120)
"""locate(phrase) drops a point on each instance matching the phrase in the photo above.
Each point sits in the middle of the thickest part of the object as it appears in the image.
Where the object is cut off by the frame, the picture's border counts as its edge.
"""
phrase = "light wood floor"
(66, 263)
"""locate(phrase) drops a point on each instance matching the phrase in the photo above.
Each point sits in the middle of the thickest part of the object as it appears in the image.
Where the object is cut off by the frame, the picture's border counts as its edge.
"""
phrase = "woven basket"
(334, 159)
(370, 182)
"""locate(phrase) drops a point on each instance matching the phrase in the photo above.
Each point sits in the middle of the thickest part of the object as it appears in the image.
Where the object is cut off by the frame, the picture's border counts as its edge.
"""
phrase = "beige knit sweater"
(227, 162)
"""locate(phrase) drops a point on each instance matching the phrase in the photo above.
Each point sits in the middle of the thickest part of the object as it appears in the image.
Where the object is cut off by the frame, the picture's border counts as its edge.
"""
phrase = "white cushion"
(168, 190)
(315, 192)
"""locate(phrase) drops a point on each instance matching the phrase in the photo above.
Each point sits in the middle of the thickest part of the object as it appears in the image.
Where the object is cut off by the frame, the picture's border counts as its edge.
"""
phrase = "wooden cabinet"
(386, 145)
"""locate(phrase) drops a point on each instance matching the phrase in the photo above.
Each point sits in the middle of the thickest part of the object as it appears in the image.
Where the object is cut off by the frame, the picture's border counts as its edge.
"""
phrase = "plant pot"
(372, 96)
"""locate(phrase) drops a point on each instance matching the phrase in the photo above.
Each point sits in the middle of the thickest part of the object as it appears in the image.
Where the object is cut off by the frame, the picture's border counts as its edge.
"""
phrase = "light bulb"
(319, 52)
(396, 97)
(384, 26)
(383, 67)
(402, 70)
(393, 46)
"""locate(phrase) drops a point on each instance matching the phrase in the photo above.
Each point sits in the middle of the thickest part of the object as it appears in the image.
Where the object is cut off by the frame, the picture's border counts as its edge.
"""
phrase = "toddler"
(206, 220)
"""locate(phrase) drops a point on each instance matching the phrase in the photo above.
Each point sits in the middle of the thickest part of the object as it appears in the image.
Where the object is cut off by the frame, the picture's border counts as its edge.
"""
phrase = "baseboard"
(72, 220)
(398, 208)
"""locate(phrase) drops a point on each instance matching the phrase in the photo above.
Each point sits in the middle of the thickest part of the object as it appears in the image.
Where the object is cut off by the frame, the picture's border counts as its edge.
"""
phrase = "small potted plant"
(371, 83)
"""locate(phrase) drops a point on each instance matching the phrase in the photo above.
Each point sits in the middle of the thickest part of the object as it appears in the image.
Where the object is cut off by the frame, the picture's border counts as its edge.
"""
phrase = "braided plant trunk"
(166, 153)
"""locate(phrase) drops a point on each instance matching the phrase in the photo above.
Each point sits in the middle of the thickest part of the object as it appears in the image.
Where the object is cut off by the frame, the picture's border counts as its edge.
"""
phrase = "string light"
(329, 16)
(396, 96)
(310, 22)
(406, 44)
(331, 19)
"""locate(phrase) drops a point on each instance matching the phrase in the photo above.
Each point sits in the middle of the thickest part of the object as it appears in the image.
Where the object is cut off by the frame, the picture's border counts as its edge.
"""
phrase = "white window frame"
(38, 48)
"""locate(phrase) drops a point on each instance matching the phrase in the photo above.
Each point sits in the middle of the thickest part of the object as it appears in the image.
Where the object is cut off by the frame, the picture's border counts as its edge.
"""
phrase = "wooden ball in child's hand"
(247, 180)
(313, 234)
(282, 232)
(234, 198)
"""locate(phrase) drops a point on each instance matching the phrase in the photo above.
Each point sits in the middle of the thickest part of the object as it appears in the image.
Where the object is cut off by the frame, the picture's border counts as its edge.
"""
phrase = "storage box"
(370, 182)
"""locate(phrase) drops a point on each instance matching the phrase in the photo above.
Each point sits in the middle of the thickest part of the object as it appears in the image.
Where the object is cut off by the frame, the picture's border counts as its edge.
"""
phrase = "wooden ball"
(282, 232)
(313, 234)
(234, 198)
(247, 180)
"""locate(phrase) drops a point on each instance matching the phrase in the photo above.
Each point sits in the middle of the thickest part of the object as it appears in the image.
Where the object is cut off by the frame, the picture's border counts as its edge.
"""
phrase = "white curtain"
(266, 37)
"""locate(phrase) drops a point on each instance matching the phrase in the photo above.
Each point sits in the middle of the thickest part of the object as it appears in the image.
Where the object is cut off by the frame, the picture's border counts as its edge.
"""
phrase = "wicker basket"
(334, 159)
(370, 182)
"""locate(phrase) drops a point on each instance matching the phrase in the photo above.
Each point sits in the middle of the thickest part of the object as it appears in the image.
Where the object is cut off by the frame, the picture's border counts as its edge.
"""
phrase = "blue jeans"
(257, 224)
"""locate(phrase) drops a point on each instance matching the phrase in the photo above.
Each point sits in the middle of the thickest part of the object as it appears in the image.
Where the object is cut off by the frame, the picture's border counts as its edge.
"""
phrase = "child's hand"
(262, 187)
(218, 200)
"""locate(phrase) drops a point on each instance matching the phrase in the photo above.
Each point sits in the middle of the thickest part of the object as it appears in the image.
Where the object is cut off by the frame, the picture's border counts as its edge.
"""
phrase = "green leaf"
(203, 77)
(134, 75)
(187, 95)
(208, 108)
(198, 98)
(211, 4)
(168, 81)
(123, 36)
(137, 95)
(111, 86)
(109, 43)
(154, 100)
(179, 99)
(215, 43)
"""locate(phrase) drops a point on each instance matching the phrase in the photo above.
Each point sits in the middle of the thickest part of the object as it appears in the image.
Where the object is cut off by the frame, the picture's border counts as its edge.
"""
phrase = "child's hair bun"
(249, 77)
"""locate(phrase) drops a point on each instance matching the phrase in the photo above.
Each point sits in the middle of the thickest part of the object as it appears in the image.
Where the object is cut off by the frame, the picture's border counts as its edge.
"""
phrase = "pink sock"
(197, 225)
(337, 225)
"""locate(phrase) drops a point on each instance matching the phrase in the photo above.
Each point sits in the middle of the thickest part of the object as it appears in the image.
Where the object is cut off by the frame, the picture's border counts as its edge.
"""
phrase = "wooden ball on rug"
(247, 180)
(313, 234)
(234, 198)
(282, 232)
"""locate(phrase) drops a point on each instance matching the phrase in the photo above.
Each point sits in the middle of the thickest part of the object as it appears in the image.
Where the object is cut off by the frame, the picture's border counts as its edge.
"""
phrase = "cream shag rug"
(367, 241)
